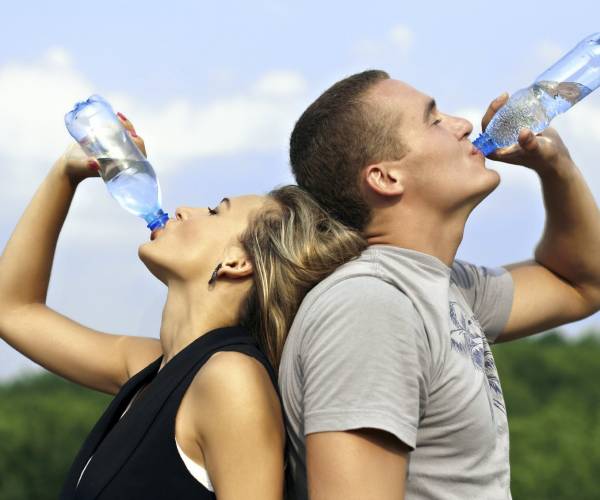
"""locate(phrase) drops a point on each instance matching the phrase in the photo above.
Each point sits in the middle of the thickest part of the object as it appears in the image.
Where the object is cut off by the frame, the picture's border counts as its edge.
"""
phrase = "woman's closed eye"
(213, 211)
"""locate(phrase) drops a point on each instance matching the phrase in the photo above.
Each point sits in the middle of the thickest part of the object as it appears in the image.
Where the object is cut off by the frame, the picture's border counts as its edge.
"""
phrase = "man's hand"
(562, 284)
(544, 152)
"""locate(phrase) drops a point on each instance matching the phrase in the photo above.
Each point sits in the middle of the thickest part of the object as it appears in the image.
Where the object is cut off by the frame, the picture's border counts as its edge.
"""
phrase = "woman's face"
(197, 239)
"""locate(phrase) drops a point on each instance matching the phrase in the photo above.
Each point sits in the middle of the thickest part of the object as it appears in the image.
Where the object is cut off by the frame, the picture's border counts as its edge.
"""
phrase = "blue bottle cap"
(485, 144)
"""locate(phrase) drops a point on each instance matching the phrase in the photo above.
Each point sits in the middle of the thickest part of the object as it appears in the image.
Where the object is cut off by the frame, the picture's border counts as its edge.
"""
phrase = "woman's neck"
(191, 311)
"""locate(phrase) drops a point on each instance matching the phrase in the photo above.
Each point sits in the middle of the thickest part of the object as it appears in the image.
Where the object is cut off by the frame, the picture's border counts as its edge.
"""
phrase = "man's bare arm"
(363, 464)
(562, 283)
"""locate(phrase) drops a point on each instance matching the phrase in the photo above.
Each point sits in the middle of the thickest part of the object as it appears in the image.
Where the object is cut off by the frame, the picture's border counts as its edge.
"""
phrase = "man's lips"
(477, 152)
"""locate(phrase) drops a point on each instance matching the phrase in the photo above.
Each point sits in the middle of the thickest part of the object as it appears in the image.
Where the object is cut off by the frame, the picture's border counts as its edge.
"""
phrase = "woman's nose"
(182, 213)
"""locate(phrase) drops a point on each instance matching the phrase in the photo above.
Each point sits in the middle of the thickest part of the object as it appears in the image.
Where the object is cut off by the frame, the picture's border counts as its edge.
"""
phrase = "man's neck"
(427, 234)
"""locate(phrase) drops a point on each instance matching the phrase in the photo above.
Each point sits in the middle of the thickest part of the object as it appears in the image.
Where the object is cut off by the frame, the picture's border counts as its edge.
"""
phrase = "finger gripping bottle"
(554, 92)
(129, 177)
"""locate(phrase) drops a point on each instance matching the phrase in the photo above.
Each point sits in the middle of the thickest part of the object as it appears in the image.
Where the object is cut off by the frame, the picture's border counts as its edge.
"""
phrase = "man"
(387, 377)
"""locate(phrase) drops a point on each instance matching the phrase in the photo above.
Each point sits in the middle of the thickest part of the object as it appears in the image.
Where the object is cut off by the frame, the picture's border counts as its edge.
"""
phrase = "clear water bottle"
(129, 177)
(555, 91)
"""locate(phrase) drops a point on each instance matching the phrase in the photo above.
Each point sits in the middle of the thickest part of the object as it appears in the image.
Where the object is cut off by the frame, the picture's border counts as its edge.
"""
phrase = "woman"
(196, 413)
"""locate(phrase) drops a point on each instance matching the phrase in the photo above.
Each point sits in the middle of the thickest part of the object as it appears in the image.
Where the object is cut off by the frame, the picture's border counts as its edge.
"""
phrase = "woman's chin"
(144, 252)
(152, 264)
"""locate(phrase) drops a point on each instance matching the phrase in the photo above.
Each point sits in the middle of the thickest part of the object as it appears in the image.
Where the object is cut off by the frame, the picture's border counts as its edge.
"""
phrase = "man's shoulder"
(356, 301)
(355, 286)
(356, 273)
(468, 276)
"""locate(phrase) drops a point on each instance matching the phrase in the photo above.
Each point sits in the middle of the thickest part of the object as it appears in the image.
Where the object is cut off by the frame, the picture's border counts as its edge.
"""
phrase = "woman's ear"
(236, 264)
(385, 178)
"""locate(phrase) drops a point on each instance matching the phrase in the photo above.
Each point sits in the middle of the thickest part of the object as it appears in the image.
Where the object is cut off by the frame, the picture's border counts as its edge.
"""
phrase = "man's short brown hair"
(335, 138)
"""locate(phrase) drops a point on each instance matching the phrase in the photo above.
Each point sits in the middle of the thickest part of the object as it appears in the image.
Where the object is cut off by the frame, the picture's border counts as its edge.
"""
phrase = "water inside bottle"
(559, 97)
(133, 184)
(534, 108)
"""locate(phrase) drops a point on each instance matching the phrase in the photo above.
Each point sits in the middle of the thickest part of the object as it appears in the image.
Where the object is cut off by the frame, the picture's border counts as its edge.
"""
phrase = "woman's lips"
(154, 233)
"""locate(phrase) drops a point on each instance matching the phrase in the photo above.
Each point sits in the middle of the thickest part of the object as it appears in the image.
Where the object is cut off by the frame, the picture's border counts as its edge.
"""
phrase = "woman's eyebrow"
(226, 200)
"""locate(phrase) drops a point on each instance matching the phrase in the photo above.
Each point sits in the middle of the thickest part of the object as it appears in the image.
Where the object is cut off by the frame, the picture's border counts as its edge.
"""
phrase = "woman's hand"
(77, 166)
(88, 357)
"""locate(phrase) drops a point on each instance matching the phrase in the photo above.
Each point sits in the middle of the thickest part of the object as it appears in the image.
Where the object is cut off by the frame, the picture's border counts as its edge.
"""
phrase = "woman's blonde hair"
(293, 244)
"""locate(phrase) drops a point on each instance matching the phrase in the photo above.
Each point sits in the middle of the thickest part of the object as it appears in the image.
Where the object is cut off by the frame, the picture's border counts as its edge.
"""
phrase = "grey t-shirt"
(398, 341)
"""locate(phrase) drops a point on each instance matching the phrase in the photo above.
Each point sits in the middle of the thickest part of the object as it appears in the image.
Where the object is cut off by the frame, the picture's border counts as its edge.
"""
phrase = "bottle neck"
(485, 144)
(156, 220)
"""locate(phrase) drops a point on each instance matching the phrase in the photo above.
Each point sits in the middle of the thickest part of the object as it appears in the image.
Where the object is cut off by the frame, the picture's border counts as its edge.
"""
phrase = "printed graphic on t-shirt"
(467, 338)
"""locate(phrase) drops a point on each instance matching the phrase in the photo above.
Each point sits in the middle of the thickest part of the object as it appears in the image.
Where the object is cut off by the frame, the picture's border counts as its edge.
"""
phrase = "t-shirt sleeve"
(489, 291)
(365, 360)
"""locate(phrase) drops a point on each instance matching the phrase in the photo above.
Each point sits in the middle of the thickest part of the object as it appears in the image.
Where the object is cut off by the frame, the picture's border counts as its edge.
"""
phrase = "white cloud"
(580, 130)
(57, 56)
(398, 41)
(281, 83)
(367, 49)
(34, 97)
(582, 122)
(257, 120)
(33, 100)
(402, 37)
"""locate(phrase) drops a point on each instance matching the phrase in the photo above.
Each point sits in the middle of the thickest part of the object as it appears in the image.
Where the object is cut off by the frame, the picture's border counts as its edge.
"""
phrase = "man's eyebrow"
(226, 200)
(428, 110)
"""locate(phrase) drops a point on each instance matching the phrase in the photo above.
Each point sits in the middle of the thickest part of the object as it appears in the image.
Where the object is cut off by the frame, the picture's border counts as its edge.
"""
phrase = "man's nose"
(463, 127)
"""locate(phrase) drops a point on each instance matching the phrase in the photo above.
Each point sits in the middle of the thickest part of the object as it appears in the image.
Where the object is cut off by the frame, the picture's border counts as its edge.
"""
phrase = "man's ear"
(385, 178)
(236, 264)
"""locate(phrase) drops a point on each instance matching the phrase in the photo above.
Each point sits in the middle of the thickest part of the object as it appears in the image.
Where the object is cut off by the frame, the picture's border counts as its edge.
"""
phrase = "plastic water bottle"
(555, 91)
(129, 177)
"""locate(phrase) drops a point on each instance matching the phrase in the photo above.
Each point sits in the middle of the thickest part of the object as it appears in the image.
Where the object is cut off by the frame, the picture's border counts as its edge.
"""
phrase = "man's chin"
(494, 184)
(487, 187)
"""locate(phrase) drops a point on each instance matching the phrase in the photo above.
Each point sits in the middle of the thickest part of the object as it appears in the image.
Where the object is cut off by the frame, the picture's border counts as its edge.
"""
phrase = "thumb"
(528, 141)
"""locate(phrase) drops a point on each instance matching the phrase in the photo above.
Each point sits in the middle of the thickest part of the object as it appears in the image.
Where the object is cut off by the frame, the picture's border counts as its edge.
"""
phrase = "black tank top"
(136, 456)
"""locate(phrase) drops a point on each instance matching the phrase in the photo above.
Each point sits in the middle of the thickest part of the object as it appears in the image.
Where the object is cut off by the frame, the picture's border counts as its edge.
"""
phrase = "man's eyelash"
(213, 211)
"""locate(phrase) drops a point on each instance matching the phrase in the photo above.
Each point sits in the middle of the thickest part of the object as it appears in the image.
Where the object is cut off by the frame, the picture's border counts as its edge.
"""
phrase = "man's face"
(444, 172)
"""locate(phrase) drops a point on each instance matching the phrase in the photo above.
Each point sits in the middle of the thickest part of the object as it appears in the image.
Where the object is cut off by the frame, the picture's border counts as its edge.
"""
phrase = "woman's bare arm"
(240, 428)
(94, 359)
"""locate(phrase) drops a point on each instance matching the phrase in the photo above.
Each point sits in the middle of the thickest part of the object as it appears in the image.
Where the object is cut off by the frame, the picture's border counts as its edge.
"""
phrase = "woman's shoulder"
(236, 389)
(232, 371)
(236, 418)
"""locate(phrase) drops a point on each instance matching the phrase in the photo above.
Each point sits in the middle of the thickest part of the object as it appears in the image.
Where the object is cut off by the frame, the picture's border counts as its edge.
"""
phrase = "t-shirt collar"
(424, 260)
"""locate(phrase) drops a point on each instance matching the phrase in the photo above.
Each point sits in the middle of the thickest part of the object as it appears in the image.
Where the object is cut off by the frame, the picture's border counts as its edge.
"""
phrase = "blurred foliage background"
(551, 386)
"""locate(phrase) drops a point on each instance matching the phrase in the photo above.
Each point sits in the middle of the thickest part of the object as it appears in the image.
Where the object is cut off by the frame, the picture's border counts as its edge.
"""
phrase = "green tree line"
(551, 387)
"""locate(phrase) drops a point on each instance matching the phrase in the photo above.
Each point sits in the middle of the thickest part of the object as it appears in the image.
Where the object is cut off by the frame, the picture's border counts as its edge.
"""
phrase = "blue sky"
(215, 88)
